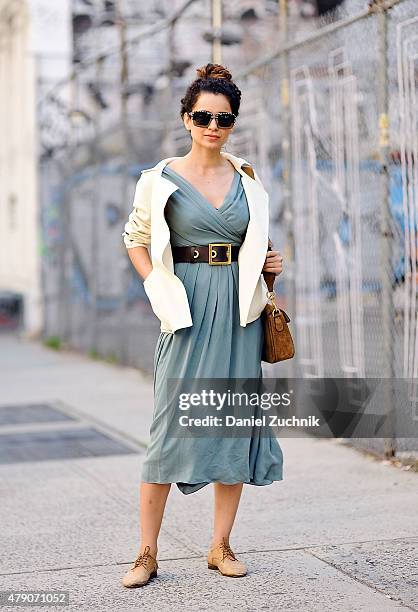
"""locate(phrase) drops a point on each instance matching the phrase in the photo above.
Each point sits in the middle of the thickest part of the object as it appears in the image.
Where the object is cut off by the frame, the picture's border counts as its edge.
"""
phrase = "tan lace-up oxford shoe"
(144, 568)
(222, 558)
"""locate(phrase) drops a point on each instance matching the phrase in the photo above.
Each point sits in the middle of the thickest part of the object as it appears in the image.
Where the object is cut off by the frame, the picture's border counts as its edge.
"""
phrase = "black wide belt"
(214, 253)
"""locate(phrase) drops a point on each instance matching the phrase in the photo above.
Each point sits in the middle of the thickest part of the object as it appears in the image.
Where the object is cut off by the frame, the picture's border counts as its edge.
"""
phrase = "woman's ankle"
(217, 540)
(153, 549)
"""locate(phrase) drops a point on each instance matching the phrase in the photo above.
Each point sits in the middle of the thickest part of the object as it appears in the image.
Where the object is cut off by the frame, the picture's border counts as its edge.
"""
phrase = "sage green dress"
(215, 346)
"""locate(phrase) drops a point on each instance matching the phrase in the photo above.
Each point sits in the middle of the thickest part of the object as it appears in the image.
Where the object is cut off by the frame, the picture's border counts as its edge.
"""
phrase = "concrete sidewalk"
(340, 532)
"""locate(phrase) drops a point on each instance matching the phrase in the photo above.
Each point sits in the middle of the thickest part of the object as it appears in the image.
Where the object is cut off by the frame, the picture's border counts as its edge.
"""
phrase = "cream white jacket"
(147, 226)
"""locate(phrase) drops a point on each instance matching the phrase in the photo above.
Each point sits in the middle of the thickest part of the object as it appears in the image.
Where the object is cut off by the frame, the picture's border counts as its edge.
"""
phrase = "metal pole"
(216, 27)
(43, 170)
(66, 251)
(123, 55)
(386, 237)
(95, 225)
(167, 145)
(289, 255)
(123, 335)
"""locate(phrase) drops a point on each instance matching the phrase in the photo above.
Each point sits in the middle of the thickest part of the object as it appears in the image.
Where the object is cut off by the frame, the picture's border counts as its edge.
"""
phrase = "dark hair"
(212, 78)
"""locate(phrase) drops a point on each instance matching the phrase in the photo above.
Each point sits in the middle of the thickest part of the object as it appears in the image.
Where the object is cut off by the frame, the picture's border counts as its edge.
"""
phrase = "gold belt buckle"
(213, 253)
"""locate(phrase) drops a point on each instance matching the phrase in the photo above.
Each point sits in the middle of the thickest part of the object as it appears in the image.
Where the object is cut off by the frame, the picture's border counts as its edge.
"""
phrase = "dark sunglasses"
(203, 118)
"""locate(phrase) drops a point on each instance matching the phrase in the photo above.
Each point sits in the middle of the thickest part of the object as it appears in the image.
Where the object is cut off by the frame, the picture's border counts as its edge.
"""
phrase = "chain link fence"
(329, 120)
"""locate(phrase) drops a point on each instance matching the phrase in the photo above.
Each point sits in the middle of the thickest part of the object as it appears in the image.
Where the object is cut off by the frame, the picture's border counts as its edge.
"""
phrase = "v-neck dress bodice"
(187, 185)
(215, 346)
(228, 223)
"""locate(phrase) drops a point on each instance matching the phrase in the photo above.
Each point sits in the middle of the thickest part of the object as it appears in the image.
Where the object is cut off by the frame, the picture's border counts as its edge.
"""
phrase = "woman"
(209, 308)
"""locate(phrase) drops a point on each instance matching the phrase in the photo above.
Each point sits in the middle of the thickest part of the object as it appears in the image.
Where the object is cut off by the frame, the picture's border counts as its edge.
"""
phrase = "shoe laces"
(142, 559)
(227, 551)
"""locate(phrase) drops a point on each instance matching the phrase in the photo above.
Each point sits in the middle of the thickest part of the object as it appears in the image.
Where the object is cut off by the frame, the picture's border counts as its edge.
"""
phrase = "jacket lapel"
(252, 253)
(160, 244)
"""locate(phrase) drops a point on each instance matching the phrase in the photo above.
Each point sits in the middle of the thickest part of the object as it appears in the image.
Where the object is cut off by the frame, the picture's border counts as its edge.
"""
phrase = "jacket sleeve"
(138, 226)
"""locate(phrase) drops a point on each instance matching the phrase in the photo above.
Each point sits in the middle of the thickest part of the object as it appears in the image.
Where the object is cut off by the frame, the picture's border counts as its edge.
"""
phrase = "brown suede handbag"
(278, 342)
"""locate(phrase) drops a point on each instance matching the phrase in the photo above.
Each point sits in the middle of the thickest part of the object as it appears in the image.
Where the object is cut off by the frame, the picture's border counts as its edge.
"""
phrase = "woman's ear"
(186, 121)
(187, 124)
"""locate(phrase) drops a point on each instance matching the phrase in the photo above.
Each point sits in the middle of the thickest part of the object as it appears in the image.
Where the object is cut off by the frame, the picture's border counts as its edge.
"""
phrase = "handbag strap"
(269, 277)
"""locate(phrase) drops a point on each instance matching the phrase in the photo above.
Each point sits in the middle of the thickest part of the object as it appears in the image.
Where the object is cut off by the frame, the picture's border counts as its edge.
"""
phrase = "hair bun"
(214, 71)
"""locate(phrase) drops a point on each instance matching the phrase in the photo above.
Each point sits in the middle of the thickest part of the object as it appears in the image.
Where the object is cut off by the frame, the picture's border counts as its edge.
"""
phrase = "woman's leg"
(153, 497)
(226, 504)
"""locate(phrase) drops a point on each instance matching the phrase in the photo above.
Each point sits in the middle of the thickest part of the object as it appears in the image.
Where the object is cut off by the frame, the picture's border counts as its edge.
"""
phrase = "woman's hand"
(273, 262)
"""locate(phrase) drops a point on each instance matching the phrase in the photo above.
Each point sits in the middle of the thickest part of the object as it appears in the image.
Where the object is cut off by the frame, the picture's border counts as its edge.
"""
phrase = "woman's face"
(215, 103)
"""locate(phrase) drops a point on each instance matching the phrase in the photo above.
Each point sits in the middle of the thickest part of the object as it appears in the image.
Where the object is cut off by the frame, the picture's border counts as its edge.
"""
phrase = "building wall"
(25, 44)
